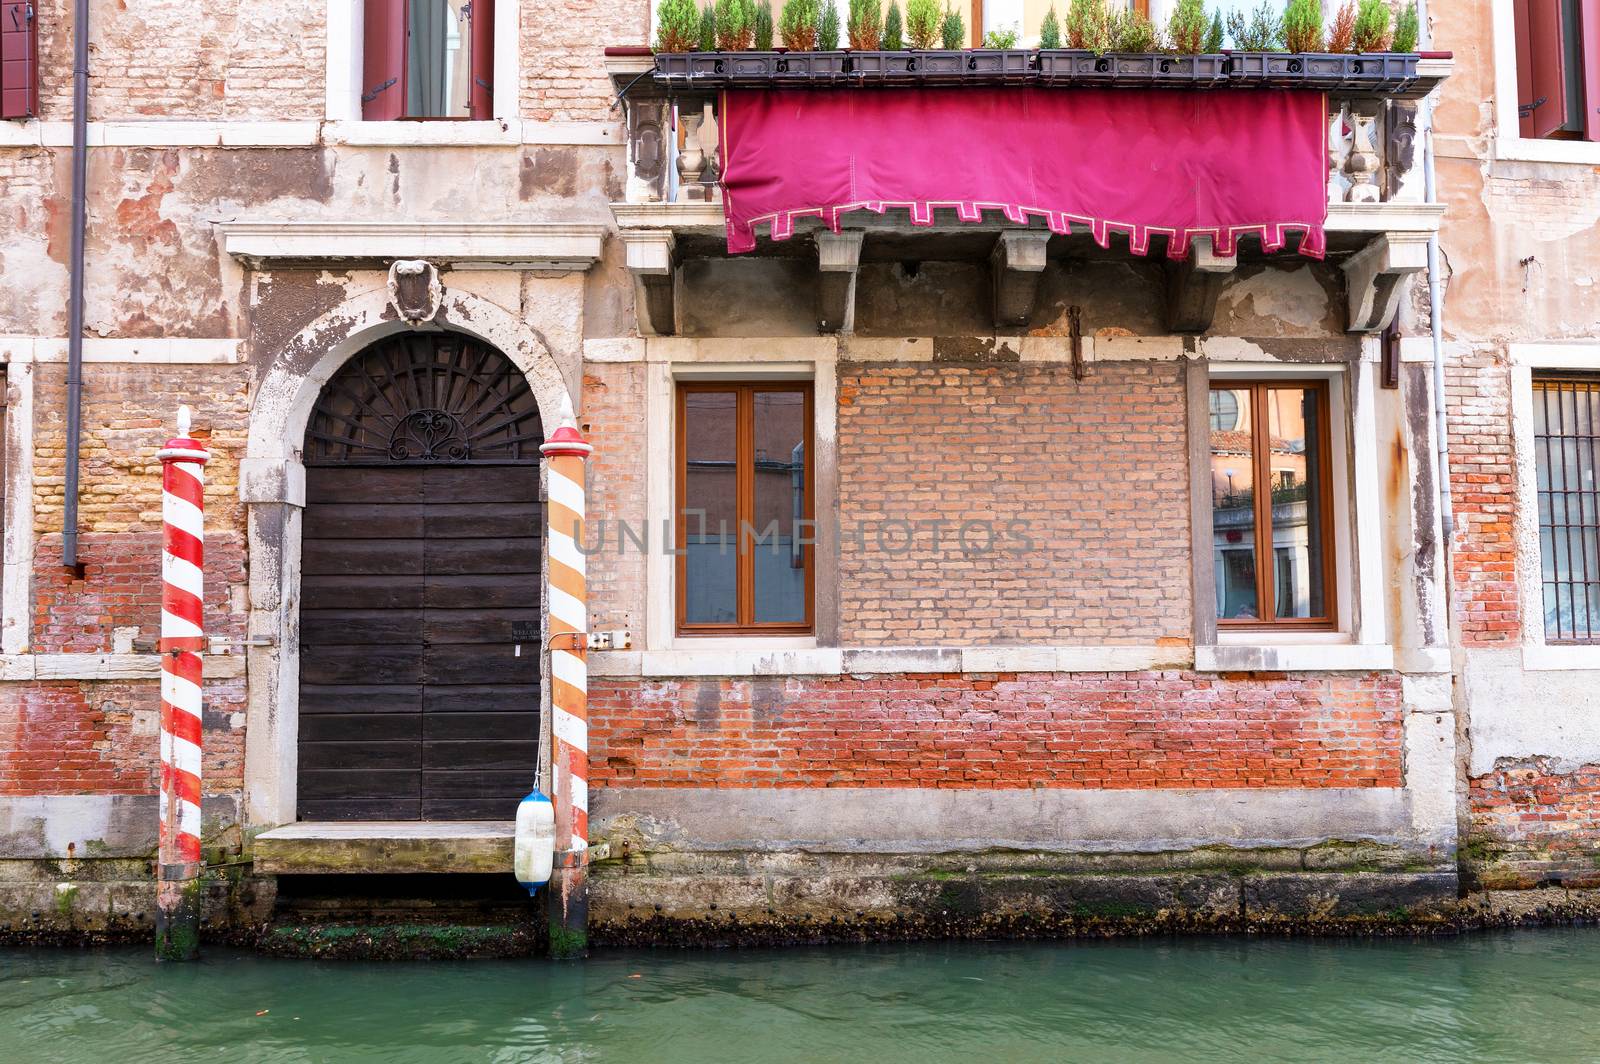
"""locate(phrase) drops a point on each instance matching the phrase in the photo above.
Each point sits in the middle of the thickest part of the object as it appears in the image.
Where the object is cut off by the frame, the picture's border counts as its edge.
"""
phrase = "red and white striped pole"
(567, 600)
(179, 884)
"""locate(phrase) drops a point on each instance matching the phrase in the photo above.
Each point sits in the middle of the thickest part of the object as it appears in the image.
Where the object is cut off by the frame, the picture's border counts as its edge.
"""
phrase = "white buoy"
(535, 841)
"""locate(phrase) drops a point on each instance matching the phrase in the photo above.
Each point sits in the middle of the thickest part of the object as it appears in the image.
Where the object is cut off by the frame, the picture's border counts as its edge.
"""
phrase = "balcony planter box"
(941, 66)
(1383, 73)
(885, 66)
(1128, 70)
(1008, 65)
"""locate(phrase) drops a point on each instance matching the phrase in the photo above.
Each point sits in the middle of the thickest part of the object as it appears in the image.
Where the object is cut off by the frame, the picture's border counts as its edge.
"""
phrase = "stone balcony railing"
(1378, 218)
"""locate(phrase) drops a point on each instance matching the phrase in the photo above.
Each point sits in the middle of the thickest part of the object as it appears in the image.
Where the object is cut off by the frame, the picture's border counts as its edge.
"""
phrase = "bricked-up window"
(1271, 512)
(744, 522)
(427, 59)
(1566, 423)
(19, 59)
(1558, 68)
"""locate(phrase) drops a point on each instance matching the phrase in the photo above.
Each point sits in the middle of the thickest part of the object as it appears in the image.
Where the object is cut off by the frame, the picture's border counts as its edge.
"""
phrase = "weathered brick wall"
(71, 737)
(613, 413)
(1093, 472)
(222, 59)
(1145, 730)
(1482, 486)
(1531, 823)
(563, 55)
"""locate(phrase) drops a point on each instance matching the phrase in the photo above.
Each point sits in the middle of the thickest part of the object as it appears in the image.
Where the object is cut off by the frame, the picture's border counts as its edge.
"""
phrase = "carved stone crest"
(414, 290)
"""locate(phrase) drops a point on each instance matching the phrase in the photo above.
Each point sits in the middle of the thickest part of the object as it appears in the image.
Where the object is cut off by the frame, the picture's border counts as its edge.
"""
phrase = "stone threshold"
(386, 847)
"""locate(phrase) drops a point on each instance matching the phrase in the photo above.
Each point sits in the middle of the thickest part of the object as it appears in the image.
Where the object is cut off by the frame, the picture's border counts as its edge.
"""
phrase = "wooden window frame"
(1261, 540)
(744, 466)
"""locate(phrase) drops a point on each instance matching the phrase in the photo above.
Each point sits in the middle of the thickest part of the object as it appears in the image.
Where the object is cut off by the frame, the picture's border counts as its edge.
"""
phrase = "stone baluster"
(1339, 143)
(692, 159)
(1364, 162)
(711, 148)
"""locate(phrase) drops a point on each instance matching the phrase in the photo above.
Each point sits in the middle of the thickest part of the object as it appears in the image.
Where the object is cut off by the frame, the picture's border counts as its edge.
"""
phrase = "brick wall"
(563, 54)
(1531, 823)
(1146, 730)
(1482, 486)
(1093, 472)
(222, 59)
(613, 413)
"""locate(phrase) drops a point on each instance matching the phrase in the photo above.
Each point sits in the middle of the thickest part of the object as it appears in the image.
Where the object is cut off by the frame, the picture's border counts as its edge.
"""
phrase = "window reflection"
(710, 507)
(438, 58)
(780, 505)
(1233, 504)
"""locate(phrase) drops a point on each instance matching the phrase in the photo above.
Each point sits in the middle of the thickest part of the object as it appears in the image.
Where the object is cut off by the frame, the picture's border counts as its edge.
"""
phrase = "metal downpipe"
(1447, 517)
(80, 173)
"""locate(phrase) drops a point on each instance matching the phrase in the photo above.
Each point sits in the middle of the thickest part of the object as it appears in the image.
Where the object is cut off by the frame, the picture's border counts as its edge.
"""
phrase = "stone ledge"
(385, 847)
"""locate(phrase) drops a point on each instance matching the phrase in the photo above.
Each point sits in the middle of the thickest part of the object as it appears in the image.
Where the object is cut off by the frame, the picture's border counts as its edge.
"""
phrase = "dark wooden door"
(420, 558)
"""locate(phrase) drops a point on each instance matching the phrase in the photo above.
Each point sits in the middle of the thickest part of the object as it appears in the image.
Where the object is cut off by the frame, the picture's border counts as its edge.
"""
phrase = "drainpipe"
(1447, 516)
(80, 173)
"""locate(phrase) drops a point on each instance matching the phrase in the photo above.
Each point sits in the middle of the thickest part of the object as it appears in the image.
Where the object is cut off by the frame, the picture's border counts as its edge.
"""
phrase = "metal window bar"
(1567, 456)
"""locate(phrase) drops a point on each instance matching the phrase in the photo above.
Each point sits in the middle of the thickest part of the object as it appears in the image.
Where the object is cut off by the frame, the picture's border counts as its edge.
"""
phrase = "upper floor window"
(1566, 425)
(745, 561)
(1558, 68)
(1271, 504)
(427, 59)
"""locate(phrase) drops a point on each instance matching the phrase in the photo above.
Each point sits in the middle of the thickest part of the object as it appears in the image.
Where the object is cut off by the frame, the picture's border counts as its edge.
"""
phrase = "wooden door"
(420, 575)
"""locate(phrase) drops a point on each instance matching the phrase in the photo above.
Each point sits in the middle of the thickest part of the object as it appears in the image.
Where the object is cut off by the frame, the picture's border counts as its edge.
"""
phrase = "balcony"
(1377, 228)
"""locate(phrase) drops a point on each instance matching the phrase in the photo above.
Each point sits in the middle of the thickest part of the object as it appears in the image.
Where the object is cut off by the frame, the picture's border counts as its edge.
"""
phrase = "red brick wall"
(613, 414)
(1482, 475)
(1530, 823)
(1145, 730)
(1096, 470)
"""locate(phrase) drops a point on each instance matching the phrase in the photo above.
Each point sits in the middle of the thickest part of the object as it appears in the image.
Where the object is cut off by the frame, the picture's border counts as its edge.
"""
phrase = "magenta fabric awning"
(1139, 162)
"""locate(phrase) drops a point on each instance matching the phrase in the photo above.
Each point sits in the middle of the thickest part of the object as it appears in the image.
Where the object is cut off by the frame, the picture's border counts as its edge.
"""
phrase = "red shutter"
(1589, 35)
(1541, 67)
(483, 59)
(383, 60)
(19, 59)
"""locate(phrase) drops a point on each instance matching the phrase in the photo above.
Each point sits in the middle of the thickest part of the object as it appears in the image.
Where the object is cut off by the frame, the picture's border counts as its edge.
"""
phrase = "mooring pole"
(567, 600)
(179, 869)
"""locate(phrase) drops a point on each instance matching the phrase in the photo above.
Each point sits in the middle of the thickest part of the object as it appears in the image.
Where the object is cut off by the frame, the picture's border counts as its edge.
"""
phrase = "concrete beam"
(385, 847)
(650, 263)
(1193, 286)
(1374, 274)
(1015, 266)
(838, 259)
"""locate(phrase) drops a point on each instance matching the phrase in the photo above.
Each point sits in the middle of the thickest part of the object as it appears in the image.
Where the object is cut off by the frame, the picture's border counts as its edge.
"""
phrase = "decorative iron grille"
(1566, 415)
(425, 399)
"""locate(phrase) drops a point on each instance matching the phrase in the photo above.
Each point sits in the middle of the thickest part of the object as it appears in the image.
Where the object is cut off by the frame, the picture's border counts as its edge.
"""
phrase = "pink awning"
(1139, 162)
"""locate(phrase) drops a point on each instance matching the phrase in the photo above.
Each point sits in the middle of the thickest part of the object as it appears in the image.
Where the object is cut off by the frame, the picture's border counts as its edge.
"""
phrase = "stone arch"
(272, 486)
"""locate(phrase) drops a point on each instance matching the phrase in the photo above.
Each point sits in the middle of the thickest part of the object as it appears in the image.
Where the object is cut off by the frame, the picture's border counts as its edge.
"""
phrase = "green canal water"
(1519, 996)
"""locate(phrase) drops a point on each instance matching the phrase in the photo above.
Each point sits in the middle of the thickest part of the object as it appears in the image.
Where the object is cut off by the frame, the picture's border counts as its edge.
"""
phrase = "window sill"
(401, 133)
(1527, 149)
(1322, 652)
(1540, 657)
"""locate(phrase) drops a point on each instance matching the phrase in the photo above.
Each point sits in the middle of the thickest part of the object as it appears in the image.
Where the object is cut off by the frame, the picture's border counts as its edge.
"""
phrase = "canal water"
(1511, 996)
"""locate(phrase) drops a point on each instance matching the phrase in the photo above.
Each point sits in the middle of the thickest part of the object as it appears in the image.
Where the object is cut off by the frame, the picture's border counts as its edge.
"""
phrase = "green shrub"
(797, 25)
(828, 27)
(865, 27)
(1132, 31)
(679, 29)
(1372, 26)
(1089, 25)
(952, 29)
(1213, 42)
(1302, 26)
(894, 36)
(708, 28)
(1050, 30)
(736, 24)
(1186, 27)
(1406, 29)
(1006, 38)
(1262, 33)
(922, 23)
(764, 26)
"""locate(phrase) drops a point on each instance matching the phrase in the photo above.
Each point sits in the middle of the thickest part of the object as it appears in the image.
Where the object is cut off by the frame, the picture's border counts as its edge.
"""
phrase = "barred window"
(1566, 421)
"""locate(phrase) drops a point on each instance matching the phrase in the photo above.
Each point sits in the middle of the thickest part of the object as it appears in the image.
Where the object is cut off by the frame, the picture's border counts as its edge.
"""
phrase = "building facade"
(951, 577)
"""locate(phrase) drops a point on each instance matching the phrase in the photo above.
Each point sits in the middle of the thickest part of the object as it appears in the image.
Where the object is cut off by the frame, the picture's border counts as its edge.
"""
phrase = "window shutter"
(482, 59)
(383, 60)
(19, 59)
(1541, 67)
(1589, 35)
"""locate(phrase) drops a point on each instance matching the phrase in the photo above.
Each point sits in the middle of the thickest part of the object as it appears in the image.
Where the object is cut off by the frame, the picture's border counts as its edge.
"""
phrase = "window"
(1566, 421)
(427, 59)
(744, 522)
(1272, 549)
(1558, 68)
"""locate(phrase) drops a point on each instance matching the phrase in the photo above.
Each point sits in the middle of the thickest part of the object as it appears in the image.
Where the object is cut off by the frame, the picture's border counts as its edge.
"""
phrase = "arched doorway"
(420, 575)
